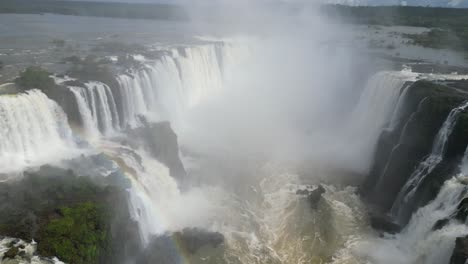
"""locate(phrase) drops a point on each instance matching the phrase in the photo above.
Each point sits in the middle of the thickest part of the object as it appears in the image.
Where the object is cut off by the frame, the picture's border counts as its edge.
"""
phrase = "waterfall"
(97, 108)
(398, 109)
(161, 89)
(89, 122)
(378, 107)
(429, 163)
(34, 131)
(135, 89)
(103, 106)
(180, 79)
(379, 101)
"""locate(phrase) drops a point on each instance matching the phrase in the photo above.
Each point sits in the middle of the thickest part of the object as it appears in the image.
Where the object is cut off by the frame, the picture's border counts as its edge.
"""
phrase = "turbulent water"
(33, 131)
(26, 249)
(278, 226)
(418, 242)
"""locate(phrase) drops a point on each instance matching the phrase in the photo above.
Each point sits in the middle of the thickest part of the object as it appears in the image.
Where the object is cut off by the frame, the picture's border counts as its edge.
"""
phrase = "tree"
(35, 77)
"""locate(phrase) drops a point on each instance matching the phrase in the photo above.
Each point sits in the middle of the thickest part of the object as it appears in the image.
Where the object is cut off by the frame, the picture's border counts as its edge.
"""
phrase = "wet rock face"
(462, 210)
(384, 223)
(460, 252)
(161, 142)
(427, 105)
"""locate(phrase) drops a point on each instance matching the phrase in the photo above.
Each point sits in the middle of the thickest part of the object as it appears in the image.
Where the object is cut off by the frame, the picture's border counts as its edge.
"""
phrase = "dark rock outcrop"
(462, 210)
(65, 98)
(460, 252)
(161, 142)
(313, 196)
(185, 244)
(440, 224)
(192, 239)
(11, 253)
(384, 223)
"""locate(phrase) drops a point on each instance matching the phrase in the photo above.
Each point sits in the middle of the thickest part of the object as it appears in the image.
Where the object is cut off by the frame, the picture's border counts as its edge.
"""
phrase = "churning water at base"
(419, 242)
(423, 240)
(33, 130)
(276, 225)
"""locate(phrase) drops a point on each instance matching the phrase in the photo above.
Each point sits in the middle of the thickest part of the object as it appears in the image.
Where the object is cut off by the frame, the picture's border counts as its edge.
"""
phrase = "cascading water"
(34, 130)
(155, 200)
(167, 87)
(89, 122)
(161, 89)
(97, 108)
(134, 91)
(381, 95)
(429, 163)
(377, 108)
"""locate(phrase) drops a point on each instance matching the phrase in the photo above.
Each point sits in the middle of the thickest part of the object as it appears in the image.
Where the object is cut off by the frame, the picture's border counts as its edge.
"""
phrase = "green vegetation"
(79, 235)
(70, 217)
(438, 39)
(59, 43)
(449, 25)
(35, 78)
(91, 68)
(98, 9)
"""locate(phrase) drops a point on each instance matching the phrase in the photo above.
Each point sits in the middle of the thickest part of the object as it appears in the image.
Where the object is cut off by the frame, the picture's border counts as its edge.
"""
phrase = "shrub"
(35, 77)
(79, 235)
(59, 43)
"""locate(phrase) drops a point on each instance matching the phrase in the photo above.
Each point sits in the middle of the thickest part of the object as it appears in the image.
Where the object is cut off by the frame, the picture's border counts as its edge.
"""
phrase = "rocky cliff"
(414, 158)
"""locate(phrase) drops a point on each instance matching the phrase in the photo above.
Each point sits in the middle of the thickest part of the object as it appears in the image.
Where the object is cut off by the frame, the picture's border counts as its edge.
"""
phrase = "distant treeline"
(96, 9)
(449, 25)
